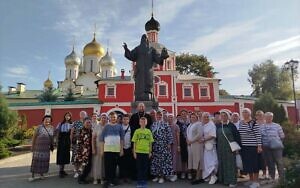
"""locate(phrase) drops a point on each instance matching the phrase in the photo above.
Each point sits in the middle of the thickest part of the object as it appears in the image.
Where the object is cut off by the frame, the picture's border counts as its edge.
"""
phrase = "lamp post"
(293, 65)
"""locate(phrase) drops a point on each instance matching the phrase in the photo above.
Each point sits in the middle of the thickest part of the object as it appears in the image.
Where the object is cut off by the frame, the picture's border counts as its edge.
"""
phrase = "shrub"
(291, 178)
(29, 132)
(3, 150)
(291, 141)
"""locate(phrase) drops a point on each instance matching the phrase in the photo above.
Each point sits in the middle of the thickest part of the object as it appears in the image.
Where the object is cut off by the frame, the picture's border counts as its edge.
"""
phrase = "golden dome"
(94, 48)
(48, 83)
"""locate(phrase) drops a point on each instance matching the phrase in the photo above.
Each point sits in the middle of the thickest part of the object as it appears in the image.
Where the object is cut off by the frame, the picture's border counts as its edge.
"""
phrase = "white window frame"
(106, 91)
(162, 83)
(187, 86)
(201, 86)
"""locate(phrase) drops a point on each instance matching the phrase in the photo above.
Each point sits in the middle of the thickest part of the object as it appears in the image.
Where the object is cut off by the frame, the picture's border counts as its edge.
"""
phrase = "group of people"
(160, 146)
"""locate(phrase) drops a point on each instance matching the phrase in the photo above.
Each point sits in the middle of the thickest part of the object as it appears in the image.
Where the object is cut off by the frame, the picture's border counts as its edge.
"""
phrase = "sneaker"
(264, 177)
(182, 176)
(161, 180)
(232, 185)
(155, 179)
(173, 178)
(95, 182)
(31, 179)
(76, 175)
(42, 177)
(254, 185)
(213, 180)
(190, 176)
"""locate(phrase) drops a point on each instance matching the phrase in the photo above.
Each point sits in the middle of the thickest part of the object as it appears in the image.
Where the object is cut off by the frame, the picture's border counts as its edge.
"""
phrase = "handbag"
(51, 146)
(239, 162)
(234, 146)
(276, 143)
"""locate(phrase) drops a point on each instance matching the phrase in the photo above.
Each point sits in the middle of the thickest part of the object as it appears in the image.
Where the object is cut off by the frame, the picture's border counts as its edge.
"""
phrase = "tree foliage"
(267, 103)
(267, 77)
(8, 118)
(223, 92)
(48, 96)
(69, 96)
(194, 64)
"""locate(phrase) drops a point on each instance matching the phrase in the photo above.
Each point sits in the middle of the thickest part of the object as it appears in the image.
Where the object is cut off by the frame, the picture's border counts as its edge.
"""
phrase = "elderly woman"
(251, 147)
(260, 120)
(97, 167)
(41, 142)
(75, 131)
(84, 156)
(226, 133)
(210, 152)
(272, 136)
(175, 149)
(195, 147)
(161, 164)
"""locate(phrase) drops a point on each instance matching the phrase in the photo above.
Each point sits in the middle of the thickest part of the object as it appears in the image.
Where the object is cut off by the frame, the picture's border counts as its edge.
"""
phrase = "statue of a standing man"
(145, 58)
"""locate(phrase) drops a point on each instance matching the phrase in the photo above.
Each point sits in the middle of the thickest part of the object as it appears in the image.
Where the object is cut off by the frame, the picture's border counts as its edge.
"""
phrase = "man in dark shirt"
(135, 118)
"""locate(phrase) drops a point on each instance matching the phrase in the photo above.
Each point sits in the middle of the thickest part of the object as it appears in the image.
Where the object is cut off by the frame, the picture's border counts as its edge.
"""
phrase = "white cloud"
(260, 53)
(17, 72)
(166, 11)
(40, 57)
(218, 37)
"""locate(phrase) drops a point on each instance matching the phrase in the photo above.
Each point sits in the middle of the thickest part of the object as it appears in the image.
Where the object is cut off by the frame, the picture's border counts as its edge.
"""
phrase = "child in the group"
(142, 149)
(112, 140)
(126, 161)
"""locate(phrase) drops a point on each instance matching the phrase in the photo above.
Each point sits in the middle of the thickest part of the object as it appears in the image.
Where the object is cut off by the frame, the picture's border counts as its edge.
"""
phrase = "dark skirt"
(250, 159)
(63, 148)
(183, 149)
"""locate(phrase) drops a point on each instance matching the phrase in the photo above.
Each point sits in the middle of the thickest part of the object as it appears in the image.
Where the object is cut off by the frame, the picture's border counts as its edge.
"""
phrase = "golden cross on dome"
(95, 29)
(152, 9)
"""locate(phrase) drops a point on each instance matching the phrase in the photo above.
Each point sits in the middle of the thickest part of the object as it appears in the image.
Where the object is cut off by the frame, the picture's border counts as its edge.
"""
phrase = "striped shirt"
(271, 130)
(250, 133)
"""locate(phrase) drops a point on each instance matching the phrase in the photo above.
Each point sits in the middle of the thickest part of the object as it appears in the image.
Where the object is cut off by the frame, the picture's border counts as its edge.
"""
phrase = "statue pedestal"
(149, 105)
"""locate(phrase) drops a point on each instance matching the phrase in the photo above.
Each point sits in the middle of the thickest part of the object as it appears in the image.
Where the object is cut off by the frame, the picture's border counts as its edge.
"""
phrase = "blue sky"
(35, 35)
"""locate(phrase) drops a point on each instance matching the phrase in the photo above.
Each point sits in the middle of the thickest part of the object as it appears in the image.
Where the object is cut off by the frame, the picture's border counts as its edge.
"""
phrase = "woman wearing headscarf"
(251, 145)
(226, 133)
(161, 164)
(210, 152)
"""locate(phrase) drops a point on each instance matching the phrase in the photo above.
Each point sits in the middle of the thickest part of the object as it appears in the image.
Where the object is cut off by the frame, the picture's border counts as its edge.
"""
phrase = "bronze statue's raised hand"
(125, 46)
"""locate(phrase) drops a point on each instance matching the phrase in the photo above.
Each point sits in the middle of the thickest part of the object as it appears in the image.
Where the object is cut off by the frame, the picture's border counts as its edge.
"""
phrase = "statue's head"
(144, 39)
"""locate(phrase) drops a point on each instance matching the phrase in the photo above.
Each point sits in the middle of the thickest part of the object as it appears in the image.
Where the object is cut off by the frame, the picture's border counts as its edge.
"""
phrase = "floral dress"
(161, 164)
(77, 126)
(85, 147)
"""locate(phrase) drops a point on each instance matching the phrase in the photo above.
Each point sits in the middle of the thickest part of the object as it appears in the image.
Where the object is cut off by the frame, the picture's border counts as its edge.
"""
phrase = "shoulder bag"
(234, 146)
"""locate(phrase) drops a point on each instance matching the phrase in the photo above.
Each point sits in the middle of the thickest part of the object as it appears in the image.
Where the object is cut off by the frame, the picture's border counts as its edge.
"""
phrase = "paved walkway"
(14, 173)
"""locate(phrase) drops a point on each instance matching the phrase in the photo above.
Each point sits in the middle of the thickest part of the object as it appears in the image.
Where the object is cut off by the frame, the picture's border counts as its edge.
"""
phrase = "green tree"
(223, 92)
(8, 118)
(267, 103)
(194, 64)
(48, 96)
(267, 77)
(69, 96)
